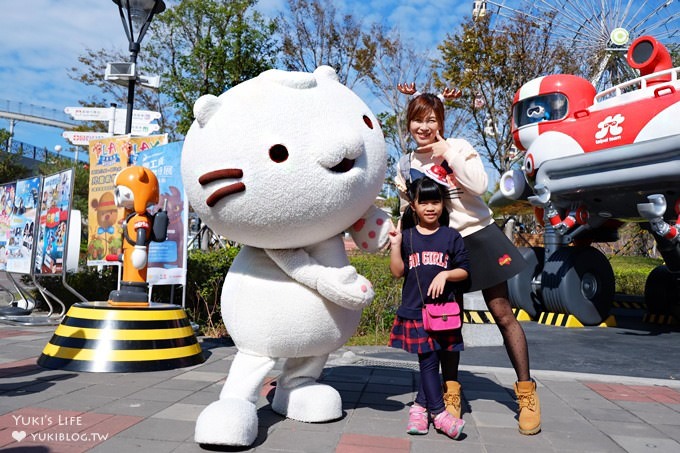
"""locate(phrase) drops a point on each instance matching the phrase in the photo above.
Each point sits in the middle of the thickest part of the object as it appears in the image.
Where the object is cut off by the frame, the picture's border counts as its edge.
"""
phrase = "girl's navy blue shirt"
(428, 255)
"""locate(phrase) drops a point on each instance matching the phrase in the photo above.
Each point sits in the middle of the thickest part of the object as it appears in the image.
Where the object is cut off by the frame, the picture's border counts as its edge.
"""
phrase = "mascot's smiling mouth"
(344, 166)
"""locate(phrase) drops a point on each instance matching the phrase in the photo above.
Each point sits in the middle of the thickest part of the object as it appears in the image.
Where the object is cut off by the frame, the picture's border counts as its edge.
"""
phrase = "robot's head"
(547, 100)
(136, 188)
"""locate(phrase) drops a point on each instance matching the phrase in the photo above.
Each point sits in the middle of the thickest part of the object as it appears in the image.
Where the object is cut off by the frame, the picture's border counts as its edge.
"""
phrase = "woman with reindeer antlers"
(493, 257)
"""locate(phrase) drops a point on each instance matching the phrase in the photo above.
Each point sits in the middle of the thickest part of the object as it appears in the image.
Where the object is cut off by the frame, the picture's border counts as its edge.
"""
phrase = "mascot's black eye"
(368, 122)
(278, 153)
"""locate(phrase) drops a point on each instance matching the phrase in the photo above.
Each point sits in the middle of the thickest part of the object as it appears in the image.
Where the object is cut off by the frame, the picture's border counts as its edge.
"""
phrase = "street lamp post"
(136, 16)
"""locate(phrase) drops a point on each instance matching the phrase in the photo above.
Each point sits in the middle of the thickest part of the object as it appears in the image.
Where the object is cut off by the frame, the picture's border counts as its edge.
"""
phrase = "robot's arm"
(139, 255)
(653, 212)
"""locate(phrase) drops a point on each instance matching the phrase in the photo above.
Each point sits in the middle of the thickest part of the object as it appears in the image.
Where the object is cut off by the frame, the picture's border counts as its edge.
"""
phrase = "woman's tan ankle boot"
(529, 407)
(452, 398)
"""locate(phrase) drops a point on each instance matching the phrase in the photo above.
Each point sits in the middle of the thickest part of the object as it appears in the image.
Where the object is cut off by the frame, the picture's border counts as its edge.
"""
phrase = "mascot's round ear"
(205, 107)
(326, 72)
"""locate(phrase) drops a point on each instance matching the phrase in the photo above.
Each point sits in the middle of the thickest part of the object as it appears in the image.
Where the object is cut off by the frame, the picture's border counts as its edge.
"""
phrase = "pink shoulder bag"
(438, 317)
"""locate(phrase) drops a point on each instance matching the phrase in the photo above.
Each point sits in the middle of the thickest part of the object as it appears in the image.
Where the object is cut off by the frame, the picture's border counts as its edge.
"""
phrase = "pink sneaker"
(418, 420)
(449, 425)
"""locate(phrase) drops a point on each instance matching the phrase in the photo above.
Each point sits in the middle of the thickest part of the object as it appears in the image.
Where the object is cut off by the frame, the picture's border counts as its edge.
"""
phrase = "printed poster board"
(53, 223)
(7, 192)
(167, 260)
(22, 221)
(108, 156)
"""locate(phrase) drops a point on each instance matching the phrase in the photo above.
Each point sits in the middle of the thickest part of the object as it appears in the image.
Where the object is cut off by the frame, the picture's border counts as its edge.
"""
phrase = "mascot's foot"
(228, 421)
(311, 403)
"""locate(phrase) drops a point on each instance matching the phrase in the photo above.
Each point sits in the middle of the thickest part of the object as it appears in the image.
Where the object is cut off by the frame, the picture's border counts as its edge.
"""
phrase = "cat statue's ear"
(204, 108)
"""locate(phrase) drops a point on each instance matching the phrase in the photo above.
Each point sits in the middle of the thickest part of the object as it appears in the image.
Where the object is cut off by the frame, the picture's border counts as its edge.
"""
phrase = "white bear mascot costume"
(283, 164)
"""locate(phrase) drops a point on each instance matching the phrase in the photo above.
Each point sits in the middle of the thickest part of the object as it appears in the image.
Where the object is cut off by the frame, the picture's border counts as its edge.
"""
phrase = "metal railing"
(37, 111)
(29, 151)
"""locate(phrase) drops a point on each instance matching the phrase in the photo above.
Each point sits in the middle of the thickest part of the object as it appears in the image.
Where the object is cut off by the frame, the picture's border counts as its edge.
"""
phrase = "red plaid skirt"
(409, 335)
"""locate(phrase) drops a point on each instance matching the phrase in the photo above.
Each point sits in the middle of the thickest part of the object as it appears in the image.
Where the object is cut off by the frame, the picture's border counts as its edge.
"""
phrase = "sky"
(41, 39)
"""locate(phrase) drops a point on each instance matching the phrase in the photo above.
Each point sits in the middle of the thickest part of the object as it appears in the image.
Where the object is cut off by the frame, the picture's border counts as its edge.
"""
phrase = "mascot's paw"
(228, 421)
(311, 403)
(345, 287)
(370, 232)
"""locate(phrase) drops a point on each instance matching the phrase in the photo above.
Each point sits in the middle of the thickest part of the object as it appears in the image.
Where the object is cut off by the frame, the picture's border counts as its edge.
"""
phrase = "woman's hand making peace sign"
(438, 147)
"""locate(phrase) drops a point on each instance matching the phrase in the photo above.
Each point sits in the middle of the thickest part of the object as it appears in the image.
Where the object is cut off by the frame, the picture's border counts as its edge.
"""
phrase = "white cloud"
(40, 40)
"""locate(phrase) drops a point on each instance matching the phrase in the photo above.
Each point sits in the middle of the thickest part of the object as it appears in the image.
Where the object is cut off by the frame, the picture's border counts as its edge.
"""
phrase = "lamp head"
(139, 10)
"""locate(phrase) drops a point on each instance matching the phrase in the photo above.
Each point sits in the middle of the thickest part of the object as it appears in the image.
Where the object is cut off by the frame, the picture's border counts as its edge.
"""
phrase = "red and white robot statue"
(593, 161)
(136, 190)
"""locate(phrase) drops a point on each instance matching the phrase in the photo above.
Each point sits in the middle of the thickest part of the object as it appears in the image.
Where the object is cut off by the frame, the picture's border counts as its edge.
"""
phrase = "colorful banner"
(57, 193)
(108, 156)
(7, 192)
(20, 244)
(167, 260)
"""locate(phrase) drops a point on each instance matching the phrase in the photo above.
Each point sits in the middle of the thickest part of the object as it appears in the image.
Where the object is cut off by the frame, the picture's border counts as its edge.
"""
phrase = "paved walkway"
(45, 410)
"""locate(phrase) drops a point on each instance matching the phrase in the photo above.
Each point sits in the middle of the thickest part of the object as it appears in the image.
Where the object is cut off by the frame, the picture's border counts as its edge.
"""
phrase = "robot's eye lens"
(368, 122)
(278, 153)
(535, 112)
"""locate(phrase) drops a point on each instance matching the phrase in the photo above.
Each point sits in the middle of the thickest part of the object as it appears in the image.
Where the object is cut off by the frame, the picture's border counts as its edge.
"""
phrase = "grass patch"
(630, 273)
(374, 339)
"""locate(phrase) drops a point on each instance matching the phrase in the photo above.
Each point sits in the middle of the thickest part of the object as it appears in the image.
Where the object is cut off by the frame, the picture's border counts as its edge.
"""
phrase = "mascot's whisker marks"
(217, 175)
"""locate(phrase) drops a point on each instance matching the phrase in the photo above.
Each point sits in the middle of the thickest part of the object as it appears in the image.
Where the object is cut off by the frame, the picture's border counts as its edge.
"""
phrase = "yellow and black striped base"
(559, 319)
(652, 318)
(478, 317)
(97, 337)
(521, 315)
(564, 320)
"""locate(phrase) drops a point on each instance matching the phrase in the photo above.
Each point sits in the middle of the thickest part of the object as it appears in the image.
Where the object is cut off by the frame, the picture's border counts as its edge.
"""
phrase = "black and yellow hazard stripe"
(652, 318)
(98, 337)
(629, 305)
(559, 319)
(478, 317)
(521, 315)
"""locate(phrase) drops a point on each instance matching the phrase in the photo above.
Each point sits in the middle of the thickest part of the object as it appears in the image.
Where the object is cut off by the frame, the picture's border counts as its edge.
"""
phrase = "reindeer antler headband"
(410, 89)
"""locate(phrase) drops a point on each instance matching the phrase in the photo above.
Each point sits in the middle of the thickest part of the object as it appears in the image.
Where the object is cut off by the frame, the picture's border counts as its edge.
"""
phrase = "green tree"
(197, 47)
(11, 167)
(207, 47)
(489, 64)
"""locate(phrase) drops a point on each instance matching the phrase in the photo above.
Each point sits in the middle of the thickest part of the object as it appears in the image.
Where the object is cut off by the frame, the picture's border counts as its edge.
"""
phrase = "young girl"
(493, 258)
(433, 261)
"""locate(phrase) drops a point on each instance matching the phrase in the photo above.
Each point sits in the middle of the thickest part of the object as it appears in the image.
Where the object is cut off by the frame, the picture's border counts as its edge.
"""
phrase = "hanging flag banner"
(7, 192)
(167, 260)
(53, 219)
(20, 245)
(108, 156)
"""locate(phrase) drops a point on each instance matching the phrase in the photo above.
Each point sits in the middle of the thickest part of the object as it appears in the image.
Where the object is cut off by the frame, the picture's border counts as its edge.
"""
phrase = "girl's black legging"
(430, 394)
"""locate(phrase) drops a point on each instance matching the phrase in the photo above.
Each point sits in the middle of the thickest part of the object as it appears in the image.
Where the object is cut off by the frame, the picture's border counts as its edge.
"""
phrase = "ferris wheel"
(598, 31)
